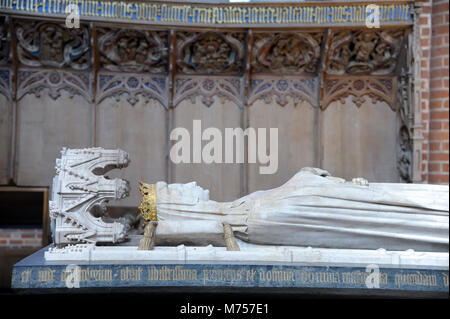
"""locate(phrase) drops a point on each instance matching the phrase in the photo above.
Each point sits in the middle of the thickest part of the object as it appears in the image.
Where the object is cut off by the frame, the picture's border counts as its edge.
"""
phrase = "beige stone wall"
(140, 130)
(295, 126)
(360, 142)
(44, 127)
(5, 137)
(223, 180)
(351, 141)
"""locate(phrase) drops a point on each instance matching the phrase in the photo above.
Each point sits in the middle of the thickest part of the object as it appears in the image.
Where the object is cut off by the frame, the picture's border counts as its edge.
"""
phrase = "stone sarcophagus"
(78, 186)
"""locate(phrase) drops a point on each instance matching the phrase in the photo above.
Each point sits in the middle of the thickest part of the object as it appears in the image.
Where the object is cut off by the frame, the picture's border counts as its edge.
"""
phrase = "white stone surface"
(249, 253)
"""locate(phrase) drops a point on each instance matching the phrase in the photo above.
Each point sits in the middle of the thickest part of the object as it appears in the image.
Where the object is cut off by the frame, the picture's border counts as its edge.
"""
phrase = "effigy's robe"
(317, 210)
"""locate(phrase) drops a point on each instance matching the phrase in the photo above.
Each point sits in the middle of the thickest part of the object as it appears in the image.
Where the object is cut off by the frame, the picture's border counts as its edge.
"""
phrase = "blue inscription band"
(223, 14)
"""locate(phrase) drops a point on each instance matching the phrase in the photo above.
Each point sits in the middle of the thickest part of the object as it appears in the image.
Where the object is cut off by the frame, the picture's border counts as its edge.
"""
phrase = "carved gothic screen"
(340, 94)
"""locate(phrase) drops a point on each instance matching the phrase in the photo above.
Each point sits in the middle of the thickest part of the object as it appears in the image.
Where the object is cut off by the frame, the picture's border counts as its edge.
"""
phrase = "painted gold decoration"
(147, 242)
(230, 240)
(147, 208)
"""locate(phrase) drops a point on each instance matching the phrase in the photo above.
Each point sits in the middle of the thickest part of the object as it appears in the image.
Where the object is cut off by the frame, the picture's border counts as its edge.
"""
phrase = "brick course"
(20, 238)
(434, 34)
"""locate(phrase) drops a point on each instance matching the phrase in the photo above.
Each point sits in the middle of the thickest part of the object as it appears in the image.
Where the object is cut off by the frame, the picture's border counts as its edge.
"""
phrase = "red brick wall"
(434, 34)
(21, 238)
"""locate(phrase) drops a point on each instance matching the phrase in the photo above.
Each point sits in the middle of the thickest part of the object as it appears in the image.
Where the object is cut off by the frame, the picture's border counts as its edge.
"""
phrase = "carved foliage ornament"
(405, 142)
(375, 88)
(133, 86)
(50, 44)
(210, 52)
(286, 53)
(207, 88)
(54, 81)
(131, 50)
(298, 89)
(364, 52)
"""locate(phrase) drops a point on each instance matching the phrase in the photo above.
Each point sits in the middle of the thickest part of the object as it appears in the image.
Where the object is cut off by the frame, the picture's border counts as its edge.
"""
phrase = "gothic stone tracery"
(133, 86)
(228, 88)
(301, 89)
(128, 51)
(79, 186)
(54, 82)
(360, 88)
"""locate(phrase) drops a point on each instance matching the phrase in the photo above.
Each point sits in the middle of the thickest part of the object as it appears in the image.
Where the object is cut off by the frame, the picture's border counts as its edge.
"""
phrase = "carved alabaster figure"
(311, 209)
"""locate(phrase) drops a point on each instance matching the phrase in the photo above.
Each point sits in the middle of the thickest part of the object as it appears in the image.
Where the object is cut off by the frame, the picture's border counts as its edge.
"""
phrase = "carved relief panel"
(364, 52)
(54, 45)
(286, 53)
(130, 50)
(210, 52)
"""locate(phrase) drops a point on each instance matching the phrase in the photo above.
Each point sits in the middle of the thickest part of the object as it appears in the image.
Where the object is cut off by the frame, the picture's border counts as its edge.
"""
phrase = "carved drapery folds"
(376, 88)
(210, 52)
(134, 86)
(228, 88)
(286, 53)
(303, 89)
(53, 45)
(54, 81)
(364, 52)
(130, 50)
